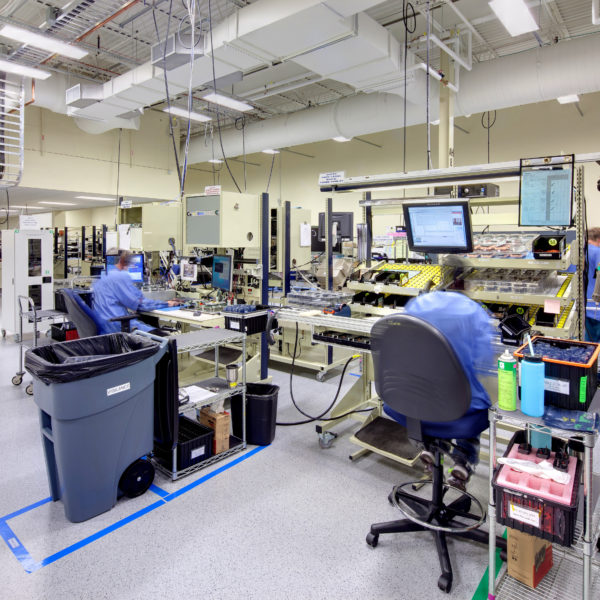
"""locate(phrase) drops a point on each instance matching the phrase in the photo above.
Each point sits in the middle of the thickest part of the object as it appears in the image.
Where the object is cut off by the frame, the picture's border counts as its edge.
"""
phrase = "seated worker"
(592, 314)
(466, 326)
(115, 295)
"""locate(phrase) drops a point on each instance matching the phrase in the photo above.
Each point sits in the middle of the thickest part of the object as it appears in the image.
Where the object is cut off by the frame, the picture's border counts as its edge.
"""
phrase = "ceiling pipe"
(537, 75)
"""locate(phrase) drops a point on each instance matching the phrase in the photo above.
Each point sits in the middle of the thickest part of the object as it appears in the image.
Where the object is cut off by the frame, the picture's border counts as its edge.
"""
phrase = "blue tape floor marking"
(355, 374)
(30, 565)
(26, 509)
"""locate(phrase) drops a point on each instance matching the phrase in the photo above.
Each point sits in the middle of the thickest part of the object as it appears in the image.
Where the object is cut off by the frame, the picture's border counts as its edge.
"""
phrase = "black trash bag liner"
(87, 357)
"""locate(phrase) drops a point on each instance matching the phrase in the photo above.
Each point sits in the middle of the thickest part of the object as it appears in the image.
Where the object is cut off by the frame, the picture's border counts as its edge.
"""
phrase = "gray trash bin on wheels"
(96, 401)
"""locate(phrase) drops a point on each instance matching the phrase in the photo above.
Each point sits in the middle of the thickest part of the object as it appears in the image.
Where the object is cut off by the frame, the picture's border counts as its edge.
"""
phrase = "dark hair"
(125, 257)
(594, 234)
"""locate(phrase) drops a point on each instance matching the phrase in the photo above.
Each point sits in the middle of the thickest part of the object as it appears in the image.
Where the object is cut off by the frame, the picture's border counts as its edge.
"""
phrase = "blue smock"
(467, 327)
(115, 295)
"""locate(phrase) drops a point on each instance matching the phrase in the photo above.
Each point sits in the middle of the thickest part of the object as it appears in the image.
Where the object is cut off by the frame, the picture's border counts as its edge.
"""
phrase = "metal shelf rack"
(197, 341)
(576, 573)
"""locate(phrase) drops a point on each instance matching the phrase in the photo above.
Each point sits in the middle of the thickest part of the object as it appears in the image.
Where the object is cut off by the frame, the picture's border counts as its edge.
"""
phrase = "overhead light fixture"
(186, 114)
(341, 138)
(100, 198)
(270, 151)
(514, 15)
(57, 203)
(568, 99)
(215, 161)
(18, 206)
(12, 67)
(227, 101)
(37, 40)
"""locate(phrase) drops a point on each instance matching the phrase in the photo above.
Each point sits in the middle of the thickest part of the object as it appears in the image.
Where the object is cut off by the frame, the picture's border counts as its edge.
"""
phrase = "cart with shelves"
(200, 341)
(576, 570)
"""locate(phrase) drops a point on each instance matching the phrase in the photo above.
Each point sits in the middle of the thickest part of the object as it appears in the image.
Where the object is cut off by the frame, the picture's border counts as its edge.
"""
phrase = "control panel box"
(227, 220)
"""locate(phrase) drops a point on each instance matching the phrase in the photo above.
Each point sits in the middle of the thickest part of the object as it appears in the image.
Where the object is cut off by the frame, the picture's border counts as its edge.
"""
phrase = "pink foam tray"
(546, 489)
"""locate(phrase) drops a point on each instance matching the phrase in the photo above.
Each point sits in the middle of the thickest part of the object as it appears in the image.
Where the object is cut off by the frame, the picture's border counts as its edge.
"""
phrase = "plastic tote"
(96, 401)
(261, 413)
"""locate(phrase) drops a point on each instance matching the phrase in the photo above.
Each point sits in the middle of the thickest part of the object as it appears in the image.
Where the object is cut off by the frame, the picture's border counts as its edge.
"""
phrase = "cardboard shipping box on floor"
(529, 558)
(219, 423)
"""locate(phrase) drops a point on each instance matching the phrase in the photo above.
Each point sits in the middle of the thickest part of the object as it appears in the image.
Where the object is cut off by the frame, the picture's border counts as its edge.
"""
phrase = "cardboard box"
(219, 423)
(529, 558)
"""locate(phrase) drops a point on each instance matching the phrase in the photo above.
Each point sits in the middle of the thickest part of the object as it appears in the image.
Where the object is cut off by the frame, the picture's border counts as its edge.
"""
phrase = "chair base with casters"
(424, 514)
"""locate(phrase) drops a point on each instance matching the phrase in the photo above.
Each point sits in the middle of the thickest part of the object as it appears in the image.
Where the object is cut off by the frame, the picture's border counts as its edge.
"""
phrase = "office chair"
(86, 320)
(418, 374)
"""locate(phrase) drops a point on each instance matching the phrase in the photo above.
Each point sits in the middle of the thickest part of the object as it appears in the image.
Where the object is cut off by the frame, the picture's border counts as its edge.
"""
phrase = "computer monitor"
(439, 227)
(135, 268)
(189, 271)
(345, 225)
(546, 192)
(222, 273)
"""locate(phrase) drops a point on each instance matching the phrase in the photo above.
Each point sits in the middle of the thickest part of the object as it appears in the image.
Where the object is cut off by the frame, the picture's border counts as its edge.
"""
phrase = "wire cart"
(576, 570)
(199, 341)
(35, 316)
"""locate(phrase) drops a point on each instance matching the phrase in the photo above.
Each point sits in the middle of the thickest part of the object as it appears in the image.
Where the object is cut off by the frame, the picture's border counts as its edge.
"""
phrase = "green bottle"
(507, 382)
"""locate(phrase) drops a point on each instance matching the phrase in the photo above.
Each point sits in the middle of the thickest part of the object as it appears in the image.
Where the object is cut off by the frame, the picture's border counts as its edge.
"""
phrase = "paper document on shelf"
(112, 240)
(198, 394)
(136, 238)
(125, 237)
(305, 235)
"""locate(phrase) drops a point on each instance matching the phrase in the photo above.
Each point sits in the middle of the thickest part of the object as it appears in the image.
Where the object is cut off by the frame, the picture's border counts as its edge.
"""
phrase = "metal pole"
(264, 288)
(581, 237)
(286, 248)
(66, 253)
(104, 229)
(588, 441)
(328, 243)
(369, 222)
(492, 508)
(93, 241)
(83, 243)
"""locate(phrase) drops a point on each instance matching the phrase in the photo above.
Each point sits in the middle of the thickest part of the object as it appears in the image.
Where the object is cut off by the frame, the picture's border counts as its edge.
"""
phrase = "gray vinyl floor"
(287, 522)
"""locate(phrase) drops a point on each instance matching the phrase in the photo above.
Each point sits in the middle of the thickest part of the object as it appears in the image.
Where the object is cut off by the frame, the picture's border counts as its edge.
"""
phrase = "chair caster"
(321, 376)
(326, 439)
(17, 380)
(372, 539)
(29, 389)
(445, 582)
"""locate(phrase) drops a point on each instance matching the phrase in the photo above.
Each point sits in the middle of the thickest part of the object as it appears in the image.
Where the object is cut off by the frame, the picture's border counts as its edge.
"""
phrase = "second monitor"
(222, 273)
(345, 225)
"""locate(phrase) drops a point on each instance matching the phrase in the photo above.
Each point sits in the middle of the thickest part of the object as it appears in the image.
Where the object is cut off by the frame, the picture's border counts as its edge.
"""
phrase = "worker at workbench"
(115, 294)
(466, 326)
(592, 313)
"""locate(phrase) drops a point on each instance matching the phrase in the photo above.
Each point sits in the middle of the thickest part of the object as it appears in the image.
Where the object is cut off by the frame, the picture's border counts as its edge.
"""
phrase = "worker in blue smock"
(115, 294)
(467, 327)
(592, 313)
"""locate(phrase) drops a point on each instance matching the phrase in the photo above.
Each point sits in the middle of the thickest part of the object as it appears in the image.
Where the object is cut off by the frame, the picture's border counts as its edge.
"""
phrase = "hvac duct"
(534, 76)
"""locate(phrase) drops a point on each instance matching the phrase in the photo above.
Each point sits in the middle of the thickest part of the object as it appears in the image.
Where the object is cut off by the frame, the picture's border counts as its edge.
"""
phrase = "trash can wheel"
(137, 478)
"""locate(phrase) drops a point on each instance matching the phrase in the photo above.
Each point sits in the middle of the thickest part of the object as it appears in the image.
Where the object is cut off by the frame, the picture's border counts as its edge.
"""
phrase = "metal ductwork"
(534, 76)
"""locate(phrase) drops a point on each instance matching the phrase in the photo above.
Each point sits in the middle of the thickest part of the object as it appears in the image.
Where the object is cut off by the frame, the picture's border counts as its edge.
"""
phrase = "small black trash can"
(261, 413)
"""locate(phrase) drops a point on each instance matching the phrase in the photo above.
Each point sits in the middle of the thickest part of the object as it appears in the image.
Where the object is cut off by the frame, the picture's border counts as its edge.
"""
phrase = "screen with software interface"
(222, 273)
(438, 226)
(136, 266)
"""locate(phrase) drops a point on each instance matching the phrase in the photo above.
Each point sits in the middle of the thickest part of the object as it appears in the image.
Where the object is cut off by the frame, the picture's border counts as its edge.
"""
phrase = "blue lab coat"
(467, 327)
(592, 313)
(115, 295)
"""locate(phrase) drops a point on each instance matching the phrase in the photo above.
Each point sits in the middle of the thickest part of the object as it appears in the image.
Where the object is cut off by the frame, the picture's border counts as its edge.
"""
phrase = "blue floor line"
(30, 565)
(355, 374)
(26, 509)
(158, 491)
(17, 548)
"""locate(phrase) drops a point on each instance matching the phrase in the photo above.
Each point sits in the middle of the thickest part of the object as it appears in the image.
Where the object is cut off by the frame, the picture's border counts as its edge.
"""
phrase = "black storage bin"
(261, 413)
(63, 332)
(557, 521)
(580, 379)
(194, 445)
(247, 323)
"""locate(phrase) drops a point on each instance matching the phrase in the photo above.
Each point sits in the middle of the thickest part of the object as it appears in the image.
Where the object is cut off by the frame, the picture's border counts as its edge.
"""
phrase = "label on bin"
(118, 388)
(560, 386)
(525, 515)
(234, 324)
(197, 452)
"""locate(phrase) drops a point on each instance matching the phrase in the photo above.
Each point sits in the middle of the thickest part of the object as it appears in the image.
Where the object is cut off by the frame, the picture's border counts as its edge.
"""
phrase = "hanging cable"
(488, 127)
(214, 82)
(242, 127)
(118, 174)
(406, 6)
(309, 418)
(428, 85)
(270, 173)
(7, 209)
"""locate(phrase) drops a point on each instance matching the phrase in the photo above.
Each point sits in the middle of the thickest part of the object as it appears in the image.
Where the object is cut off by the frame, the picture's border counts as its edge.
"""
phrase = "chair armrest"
(125, 321)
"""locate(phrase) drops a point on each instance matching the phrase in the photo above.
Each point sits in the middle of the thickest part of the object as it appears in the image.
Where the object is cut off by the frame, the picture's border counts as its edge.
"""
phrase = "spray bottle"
(507, 382)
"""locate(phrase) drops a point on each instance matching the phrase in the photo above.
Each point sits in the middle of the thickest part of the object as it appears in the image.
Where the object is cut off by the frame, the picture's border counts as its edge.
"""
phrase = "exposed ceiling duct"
(533, 76)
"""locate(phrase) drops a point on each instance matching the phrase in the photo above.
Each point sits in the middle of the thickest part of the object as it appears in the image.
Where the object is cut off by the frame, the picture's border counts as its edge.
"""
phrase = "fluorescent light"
(215, 161)
(186, 114)
(568, 99)
(341, 138)
(227, 101)
(100, 198)
(270, 151)
(44, 42)
(17, 69)
(514, 15)
(57, 203)
(17, 206)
